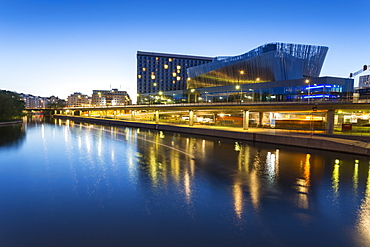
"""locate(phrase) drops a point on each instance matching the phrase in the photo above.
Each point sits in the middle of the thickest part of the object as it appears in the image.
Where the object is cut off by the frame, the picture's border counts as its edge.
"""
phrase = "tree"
(11, 106)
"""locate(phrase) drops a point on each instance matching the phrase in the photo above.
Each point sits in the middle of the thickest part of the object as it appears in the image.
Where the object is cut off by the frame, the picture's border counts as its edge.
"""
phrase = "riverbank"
(282, 137)
(11, 122)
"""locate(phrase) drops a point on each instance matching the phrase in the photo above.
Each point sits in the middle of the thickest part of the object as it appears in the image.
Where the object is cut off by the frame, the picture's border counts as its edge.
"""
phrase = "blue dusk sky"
(58, 47)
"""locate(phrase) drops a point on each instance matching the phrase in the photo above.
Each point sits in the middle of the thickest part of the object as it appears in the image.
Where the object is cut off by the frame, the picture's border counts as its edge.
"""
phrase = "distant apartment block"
(33, 102)
(111, 97)
(78, 99)
(37, 102)
(164, 72)
(364, 81)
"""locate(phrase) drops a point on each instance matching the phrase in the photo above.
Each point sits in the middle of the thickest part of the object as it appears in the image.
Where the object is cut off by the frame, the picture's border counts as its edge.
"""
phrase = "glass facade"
(158, 72)
(313, 89)
(267, 63)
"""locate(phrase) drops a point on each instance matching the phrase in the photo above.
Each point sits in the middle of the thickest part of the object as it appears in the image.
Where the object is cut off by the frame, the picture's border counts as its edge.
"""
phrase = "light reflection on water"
(140, 182)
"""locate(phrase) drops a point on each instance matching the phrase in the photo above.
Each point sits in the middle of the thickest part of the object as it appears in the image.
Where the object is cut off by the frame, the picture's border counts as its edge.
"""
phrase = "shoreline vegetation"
(11, 107)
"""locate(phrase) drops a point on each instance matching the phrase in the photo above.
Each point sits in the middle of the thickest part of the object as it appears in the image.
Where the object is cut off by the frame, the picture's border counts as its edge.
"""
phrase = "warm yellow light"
(222, 114)
(307, 81)
(178, 67)
(156, 59)
(144, 69)
(165, 66)
(241, 72)
(173, 82)
(178, 71)
(188, 78)
(174, 74)
(152, 76)
(178, 78)
(160, 92)
(154, 84)
(257, 79)
(237, 87)
(170, 59)
(192, 90)
(139, 76)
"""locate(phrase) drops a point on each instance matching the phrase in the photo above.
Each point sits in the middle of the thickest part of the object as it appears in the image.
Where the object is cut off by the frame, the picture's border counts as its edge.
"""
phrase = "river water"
(73, 184)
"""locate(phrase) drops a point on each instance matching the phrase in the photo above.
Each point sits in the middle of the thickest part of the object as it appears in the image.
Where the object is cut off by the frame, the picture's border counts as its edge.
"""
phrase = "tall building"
(111, 97)
(164, 72)
(364, 81)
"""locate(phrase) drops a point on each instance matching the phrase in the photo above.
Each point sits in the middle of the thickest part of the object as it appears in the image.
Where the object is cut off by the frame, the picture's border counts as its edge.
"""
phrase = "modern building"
(364, 81)
(78, 99)
(157, 72)
(111, 97)
(267, 63)
(271, 72)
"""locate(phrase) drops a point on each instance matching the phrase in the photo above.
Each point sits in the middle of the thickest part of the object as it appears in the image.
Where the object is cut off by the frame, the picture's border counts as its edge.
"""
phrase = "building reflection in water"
(355, 178)
(252, 175)
(363, 221)
(303, 184)
(335, 180)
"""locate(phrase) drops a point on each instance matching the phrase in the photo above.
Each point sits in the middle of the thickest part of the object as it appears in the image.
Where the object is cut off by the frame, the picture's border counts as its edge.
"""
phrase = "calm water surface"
(72, 184)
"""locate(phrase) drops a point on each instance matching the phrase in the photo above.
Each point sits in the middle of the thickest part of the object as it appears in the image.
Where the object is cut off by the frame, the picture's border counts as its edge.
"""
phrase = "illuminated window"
(144, 69)
(174, 82)
(156, 59)
(139, 76)
(174, 74)
(178, 67)
(165, 66)
(178, 71)
(170, 59)
(178, 78)
(152, 73)
(153, 77)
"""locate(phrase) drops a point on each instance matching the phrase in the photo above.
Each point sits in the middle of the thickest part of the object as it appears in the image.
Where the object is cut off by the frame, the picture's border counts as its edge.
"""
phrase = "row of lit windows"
(178, 68)
(178, 61)
(186, 64)
(173, 73)
(162, 83)
(160, 79)
(149, 58)
(153, 76)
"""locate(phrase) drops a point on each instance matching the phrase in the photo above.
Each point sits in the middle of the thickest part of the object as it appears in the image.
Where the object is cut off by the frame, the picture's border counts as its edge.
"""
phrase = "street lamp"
(238, 87)
(257, 81)
(309, 91)
(252, 94)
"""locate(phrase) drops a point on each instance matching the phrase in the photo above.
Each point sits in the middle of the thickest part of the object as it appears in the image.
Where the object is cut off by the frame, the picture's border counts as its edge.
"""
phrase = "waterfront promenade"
(306, 139)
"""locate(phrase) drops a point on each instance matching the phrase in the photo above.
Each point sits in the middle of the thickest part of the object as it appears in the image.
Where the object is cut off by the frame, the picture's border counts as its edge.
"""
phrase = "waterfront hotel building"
(271, 72)
(158, 72)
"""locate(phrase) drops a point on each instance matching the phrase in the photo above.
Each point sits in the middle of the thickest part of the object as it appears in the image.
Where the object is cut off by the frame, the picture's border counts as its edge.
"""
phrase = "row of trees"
(11, 106)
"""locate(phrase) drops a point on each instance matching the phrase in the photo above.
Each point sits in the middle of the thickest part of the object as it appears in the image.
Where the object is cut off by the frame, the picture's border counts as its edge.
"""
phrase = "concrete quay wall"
(11, 122)
(322, 143)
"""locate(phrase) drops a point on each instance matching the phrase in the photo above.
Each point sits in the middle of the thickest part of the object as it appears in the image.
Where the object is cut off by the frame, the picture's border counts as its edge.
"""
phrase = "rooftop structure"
(269, 62)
